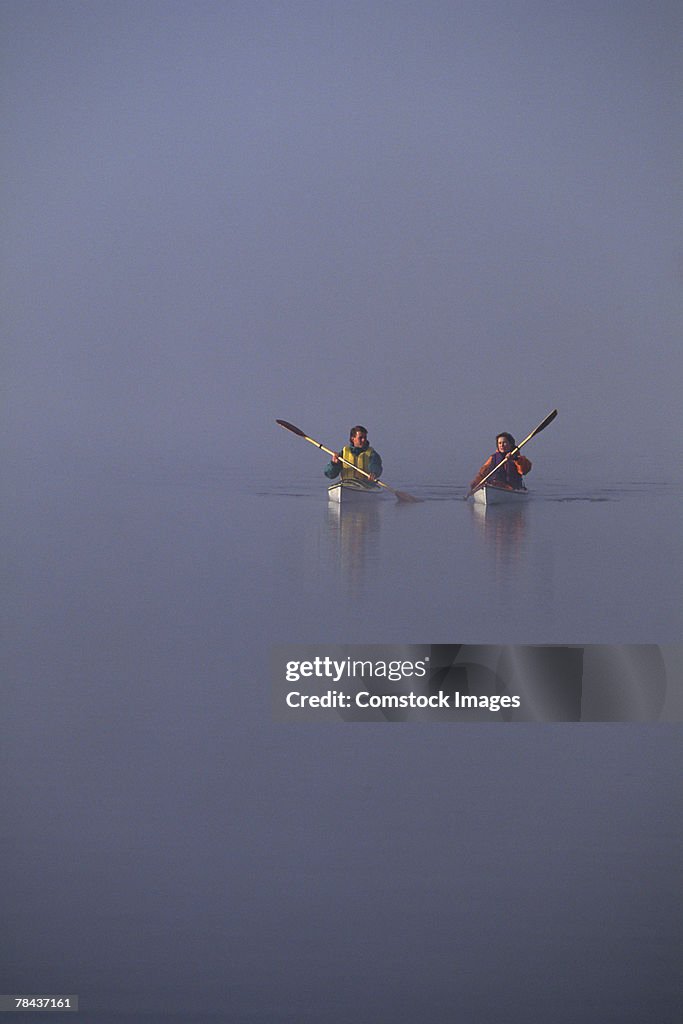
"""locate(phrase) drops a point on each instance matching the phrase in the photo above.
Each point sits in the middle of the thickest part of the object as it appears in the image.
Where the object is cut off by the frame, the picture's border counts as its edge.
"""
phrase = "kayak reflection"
(503, 529)
(352, 531)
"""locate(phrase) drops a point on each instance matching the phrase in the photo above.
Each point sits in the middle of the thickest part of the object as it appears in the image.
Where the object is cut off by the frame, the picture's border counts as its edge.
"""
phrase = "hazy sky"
(440, 219)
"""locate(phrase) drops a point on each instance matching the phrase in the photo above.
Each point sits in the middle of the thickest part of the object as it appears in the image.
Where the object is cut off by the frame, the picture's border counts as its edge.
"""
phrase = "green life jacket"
(362, 460)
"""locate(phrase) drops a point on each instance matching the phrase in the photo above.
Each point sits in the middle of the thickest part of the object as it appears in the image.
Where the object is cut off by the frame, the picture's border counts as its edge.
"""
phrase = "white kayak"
(352, 492)
(492, 495)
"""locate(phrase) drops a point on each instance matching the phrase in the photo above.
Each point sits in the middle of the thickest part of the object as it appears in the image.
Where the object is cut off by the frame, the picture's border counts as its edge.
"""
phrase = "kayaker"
(359, 452)
(511, 471)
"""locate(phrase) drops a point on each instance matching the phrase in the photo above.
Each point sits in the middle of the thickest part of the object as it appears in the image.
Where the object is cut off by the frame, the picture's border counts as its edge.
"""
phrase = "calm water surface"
(170, 853)
(598, 567)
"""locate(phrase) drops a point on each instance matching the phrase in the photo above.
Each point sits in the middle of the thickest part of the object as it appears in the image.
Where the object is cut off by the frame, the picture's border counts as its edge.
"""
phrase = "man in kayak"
(359, 452)
(511, 469)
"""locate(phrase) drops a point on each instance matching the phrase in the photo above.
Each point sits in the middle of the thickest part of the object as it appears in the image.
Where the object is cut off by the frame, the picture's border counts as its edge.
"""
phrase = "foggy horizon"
(441, 221)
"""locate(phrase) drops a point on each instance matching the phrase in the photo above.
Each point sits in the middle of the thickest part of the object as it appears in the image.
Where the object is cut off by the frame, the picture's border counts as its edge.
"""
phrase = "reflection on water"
(191, 840)
(352, 531)
(503, 529)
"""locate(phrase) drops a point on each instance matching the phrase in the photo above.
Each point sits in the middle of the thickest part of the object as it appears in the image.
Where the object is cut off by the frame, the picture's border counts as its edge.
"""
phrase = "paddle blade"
(290, 426)
(537, 430)
(549, 419)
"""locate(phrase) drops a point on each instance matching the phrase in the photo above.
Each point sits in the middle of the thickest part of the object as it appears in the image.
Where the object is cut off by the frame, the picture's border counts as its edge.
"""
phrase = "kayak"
(490, 494)
(352, 492)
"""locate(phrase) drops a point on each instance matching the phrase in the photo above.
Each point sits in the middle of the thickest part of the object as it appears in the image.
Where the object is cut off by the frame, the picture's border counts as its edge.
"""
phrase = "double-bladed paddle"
(401, 495)
(541, 426)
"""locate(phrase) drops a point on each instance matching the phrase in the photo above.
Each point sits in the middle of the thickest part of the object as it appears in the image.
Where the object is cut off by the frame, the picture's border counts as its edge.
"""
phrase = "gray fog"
(436, 219)
(440, 220)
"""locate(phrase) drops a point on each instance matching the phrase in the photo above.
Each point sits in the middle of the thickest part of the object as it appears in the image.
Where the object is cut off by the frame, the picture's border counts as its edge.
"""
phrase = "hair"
(510, 438)
(357, 430)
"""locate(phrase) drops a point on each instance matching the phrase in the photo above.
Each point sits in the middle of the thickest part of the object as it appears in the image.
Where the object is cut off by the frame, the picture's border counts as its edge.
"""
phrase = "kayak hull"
(492, 495)
(351, 492)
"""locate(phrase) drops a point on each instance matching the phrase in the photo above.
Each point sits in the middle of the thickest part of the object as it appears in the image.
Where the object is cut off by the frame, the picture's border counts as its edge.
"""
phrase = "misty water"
(170, 849)
(440, 220)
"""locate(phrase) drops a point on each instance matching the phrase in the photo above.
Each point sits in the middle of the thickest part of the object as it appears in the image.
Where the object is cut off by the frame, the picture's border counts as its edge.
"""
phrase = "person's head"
(358, 436)
(505, 442)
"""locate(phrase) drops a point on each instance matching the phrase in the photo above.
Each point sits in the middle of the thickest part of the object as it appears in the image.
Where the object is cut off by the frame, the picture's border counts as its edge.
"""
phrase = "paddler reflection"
(503, 529)
(352, 533)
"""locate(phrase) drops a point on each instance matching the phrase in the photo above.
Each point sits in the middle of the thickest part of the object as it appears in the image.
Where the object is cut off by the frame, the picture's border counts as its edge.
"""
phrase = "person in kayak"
(359, 452)
(512, 470)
